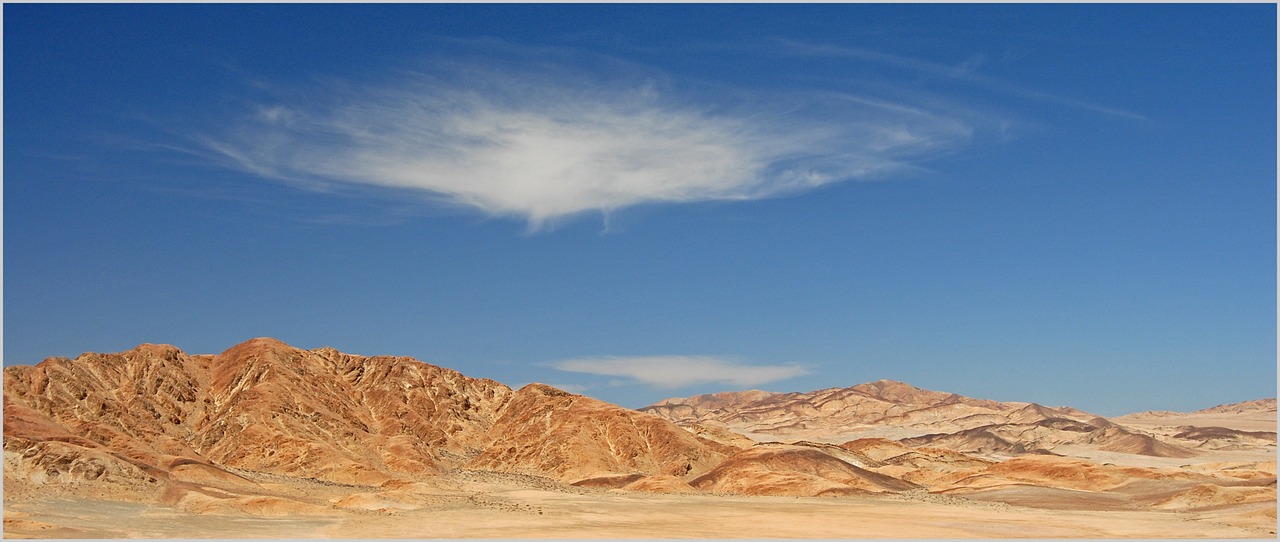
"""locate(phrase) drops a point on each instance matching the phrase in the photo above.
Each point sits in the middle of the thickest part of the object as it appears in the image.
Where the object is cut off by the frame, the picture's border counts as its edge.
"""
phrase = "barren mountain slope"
(263, 428)
(921, 465)
(1043, 436)
(154, 415)
(1247, 415)
(790, 470)
(1249, 425)
(994, 429)
(261, 405)
(699, 407)
(571, 437)
(118, 418)
(339, 417)
(881, 408)
(1256, 405)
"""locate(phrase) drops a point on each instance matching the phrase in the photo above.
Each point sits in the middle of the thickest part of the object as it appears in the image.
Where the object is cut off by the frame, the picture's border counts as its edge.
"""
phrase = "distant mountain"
(1256, 405)
(915, 416)
(833, 412)
(1043, 436)
(1235, 426)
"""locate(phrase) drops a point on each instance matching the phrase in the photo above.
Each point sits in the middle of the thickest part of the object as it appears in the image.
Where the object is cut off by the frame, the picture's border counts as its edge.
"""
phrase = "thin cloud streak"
(681, 371)
(545, 143)
(965, 71)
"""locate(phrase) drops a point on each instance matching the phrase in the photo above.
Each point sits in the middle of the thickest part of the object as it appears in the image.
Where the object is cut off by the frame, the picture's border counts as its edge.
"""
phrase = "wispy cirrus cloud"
(681, 371)
(545, 140)
(965, 71)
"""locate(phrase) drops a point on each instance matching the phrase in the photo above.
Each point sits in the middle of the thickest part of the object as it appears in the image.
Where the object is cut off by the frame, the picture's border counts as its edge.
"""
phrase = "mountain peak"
(894, 391)
(259, 345)
(153, 348)
(543, 389)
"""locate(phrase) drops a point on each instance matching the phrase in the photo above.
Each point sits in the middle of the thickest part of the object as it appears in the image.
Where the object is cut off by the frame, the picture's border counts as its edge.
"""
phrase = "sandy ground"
(1247, 421)
(485, 505)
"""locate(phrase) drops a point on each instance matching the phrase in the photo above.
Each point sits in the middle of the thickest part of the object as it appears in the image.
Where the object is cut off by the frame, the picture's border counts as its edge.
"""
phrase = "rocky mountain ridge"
(1259, 406)
(833, 413)
(219, 432)
(155, 413)
(920, 417)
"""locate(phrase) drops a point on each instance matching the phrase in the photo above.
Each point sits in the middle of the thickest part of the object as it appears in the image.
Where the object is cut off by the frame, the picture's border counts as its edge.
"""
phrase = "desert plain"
(266, 440)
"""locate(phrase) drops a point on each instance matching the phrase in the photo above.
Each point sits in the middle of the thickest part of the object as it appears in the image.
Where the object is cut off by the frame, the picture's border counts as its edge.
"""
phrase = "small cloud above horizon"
(671, 372)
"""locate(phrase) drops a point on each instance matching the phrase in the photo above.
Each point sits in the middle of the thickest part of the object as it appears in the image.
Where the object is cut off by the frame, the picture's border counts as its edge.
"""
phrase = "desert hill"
(1042, 436)
(881, 408)
(1236, 426)
(1243, 408)
(547, 431)
(1256, 405)
(790, 470)
(993, 429)
(154, 415)
(1006, 452)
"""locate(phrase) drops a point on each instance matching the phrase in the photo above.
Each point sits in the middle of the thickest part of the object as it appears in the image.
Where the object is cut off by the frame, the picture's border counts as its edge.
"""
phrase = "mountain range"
(155, 424)
(915, 416)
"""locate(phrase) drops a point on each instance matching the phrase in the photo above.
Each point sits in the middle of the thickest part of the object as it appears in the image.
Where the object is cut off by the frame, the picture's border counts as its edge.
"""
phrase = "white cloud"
(680, 371)
(545, 141)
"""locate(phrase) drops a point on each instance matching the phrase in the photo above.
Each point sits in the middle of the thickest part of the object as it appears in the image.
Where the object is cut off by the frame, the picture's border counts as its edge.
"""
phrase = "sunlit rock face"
(155, 413)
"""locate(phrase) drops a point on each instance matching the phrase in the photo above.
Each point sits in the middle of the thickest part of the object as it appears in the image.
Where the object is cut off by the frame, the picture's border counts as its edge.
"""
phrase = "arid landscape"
(723, 270)
(268, 440)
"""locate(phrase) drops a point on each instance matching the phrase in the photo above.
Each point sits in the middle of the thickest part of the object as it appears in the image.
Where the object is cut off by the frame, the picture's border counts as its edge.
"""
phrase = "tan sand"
(1244, 421)
(485, 505)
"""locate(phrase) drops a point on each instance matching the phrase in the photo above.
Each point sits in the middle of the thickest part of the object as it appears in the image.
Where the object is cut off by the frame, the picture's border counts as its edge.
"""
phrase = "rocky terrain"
(157, 420)
(319, 438)
(919, 417)
(1219, 460)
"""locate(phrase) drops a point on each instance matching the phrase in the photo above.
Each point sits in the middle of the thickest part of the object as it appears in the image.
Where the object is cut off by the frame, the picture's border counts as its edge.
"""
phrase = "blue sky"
(1067, 204)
